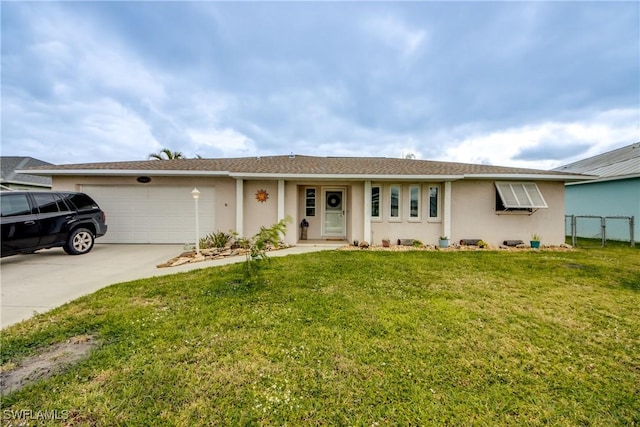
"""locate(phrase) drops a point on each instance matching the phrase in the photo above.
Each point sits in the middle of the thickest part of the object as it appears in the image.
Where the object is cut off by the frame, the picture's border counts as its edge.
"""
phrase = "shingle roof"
(622, 162)
(9, 165)
(305, 165)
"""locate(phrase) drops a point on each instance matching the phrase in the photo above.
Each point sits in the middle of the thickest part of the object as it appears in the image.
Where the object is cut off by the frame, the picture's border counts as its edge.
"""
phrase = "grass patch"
(354, 338)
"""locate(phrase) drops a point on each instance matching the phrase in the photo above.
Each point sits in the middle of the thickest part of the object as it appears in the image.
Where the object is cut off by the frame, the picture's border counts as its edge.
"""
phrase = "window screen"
(414, 201)
(433, 202)
(375, 202)
(394, 204)
(310, 202)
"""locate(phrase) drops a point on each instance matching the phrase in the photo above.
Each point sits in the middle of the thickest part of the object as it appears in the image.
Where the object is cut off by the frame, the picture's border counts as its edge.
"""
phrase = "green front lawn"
(355, 338)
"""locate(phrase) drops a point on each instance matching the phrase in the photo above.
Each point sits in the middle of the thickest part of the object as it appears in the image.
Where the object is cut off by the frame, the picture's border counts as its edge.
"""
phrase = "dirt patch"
(52, 360)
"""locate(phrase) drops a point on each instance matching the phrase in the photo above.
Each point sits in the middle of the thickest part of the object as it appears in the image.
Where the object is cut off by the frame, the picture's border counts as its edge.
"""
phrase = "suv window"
(46, 203)
(14, 205)
(80, 201)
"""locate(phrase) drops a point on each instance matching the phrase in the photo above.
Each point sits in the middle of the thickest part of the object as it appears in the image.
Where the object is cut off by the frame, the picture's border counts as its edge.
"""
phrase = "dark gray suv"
(33, 220)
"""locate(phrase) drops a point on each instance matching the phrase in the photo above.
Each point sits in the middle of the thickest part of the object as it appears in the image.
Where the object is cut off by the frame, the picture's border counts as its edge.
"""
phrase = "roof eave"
(532, 177)
(606, 179)
(312, 176)
(343, 177)
(25, 183)
(123, 172)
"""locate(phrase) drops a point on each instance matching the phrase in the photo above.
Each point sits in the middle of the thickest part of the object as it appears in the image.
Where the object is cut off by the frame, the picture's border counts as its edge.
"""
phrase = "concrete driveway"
(38, 282)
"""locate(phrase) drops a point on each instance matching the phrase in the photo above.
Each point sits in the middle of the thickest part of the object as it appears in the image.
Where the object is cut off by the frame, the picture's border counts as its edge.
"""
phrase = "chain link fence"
(592, 230)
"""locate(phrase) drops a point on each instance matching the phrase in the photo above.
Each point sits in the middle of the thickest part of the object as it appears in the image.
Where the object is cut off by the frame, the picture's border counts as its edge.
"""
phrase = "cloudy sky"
(532, 84)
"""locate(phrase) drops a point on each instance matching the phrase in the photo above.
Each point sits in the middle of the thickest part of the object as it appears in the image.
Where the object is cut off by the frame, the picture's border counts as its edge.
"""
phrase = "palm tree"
(166, 154)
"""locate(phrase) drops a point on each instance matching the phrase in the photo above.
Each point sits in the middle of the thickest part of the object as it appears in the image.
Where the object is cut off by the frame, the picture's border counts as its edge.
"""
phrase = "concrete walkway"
(38, 282)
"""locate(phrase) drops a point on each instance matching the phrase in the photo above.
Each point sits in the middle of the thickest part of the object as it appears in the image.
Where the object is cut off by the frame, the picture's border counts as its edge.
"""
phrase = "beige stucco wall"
(425, 229)
(258, 214)
(225, 188)
(473, 215)
(353, 204)
(473, 212)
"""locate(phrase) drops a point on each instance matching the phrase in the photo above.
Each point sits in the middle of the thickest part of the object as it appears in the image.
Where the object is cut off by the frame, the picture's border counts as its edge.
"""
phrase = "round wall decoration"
(262, 196)
(333, 201)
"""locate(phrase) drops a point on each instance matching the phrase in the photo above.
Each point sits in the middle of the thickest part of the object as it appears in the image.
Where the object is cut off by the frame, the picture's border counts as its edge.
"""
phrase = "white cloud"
(601, 132)
(84, 57)
(396, 34)
(227, 142)
(103, 130)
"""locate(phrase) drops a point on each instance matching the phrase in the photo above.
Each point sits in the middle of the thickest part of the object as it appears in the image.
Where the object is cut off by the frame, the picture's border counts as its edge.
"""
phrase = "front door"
(334, 210)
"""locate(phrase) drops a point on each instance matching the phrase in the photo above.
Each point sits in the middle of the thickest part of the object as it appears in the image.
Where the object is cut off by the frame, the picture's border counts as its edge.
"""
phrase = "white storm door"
(334, 212)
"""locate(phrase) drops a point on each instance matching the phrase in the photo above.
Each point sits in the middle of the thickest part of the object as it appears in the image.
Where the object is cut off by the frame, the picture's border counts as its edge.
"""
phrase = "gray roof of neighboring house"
(302, 166)
(10, 164)
(617, 164)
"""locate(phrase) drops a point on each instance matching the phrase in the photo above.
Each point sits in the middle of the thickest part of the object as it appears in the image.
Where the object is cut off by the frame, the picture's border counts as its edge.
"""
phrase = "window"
(518, 196)
(14, 205)
(310, 202)
(414, 201)
(46, 203)
(375, 202)
(433, 201)
(80, 201)
(394, 201)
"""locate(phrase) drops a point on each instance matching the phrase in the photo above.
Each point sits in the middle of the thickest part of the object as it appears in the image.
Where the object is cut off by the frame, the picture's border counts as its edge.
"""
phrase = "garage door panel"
(137, 214)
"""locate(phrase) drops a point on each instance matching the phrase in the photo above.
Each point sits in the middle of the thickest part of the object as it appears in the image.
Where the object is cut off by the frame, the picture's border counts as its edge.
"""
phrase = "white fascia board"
(531, 177)
(29, 184)
(605, 179)
(122, 172)
(344, 177)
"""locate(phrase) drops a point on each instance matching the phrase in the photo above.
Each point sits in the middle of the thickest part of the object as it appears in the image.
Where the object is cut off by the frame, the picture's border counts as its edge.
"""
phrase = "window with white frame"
(518, 196)
(434, 202)
(414, 201)
(394, 201)
(310, 201)
(376, 193)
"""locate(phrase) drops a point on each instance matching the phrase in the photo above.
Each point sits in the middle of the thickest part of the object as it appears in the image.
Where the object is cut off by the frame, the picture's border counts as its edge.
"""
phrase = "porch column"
(280, 200)
(446, 210)
(367, 212)
(239, 206)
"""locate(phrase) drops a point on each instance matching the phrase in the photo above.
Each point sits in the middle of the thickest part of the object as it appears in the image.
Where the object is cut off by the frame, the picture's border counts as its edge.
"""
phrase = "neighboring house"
(342, 199)
(11, 180)
(616, 192)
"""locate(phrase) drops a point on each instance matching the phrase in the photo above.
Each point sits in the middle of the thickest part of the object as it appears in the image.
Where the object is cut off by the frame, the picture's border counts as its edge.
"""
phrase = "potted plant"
(444, 242)
(386, 242)
(535, 241)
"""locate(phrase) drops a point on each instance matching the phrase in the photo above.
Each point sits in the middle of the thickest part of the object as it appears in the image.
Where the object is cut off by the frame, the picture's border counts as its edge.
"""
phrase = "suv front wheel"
(80, 242)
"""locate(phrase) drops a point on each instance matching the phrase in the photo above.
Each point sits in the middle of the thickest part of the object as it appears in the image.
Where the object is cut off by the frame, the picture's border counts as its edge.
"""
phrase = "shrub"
(258, 245)
(219, 239)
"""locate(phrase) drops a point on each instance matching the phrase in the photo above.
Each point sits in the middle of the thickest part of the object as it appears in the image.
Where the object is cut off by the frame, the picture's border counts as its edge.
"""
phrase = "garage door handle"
(29, 222)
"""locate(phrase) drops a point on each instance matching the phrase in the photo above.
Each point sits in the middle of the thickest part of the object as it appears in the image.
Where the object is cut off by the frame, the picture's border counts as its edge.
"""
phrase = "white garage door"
(145, 214)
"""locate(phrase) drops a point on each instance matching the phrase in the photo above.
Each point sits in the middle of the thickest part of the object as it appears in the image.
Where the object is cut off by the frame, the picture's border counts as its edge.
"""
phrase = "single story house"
(341, 198)
(615, 193)
(12, 180)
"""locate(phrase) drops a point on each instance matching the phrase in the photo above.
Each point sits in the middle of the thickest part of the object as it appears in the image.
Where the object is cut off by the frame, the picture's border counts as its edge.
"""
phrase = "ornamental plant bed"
(208, 255)
(457, 248)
